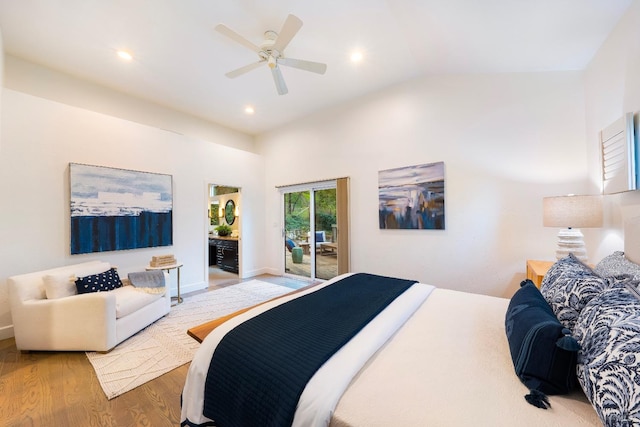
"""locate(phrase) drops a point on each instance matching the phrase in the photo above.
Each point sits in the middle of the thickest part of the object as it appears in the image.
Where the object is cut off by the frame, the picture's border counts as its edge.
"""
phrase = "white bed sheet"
(325, 388)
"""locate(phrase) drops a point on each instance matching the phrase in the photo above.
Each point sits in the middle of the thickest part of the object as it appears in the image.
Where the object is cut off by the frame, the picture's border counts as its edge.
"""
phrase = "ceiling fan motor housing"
(270, 54)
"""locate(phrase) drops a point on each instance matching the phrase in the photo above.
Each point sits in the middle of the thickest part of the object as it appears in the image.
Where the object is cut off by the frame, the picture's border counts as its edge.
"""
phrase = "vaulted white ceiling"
(179, 60)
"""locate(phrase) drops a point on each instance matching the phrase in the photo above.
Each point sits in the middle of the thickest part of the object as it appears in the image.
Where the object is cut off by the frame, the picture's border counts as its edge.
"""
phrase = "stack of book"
(163, 260)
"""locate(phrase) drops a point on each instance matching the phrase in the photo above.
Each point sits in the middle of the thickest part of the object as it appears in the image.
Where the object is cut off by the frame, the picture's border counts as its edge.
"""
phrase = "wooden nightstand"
(537, 269)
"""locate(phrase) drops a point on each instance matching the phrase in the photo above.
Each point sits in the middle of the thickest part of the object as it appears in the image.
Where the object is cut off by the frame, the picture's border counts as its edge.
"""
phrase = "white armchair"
(46, 317)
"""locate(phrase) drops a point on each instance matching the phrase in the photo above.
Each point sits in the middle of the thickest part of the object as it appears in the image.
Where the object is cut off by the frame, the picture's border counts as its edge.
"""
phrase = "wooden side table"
(168, 268)
(537, 269)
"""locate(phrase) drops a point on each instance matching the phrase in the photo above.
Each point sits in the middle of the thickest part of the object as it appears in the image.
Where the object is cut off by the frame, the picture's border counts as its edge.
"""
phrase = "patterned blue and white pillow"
(608, 331)
(568, 286)
(616, 265)
(107, 281)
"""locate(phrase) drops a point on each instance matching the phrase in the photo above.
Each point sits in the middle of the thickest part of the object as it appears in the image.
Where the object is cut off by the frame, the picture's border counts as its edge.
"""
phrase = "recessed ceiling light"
(123, 54)
(249, 109)
(356, 56)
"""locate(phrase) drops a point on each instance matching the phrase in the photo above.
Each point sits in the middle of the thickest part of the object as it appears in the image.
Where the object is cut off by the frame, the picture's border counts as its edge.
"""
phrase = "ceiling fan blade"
(223, 29)
(314, 67)
(289, 29)
(279, 80)
(240, 71)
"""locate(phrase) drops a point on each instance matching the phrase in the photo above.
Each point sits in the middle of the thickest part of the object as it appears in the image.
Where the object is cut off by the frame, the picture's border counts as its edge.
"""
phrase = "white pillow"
(63, 284)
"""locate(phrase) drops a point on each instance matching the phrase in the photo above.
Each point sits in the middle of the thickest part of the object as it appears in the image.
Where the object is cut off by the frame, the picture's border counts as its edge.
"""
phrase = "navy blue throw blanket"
(261, 367)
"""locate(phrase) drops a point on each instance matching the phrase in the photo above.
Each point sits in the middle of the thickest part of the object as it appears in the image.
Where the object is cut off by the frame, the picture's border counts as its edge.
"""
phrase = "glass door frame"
(311, 188)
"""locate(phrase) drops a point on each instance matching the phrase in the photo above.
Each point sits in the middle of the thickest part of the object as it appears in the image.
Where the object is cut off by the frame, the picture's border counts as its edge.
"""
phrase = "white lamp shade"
(572, 211)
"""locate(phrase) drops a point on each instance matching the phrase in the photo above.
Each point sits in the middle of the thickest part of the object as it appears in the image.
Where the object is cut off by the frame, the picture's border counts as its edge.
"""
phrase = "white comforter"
(450, 366)
(323, 391)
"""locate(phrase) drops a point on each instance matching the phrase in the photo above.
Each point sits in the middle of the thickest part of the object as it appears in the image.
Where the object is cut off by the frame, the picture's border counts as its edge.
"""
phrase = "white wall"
(612, 88)
(1, 78)
(41, 137)
(27, 77)
(507, 141)
(5, 316)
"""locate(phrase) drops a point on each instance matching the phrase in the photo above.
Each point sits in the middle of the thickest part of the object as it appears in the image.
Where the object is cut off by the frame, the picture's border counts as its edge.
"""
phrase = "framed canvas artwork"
(412, 197)
(116, 209)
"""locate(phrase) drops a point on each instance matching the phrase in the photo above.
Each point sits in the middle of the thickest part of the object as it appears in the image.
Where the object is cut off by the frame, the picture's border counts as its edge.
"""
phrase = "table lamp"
(572, 212)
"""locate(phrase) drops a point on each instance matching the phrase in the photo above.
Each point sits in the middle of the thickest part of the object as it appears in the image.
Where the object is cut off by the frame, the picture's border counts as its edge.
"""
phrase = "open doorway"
(223, 234)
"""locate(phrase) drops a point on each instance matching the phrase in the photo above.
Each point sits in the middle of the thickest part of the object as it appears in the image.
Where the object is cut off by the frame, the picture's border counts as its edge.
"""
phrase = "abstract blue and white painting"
(412, 197)
(115, 209)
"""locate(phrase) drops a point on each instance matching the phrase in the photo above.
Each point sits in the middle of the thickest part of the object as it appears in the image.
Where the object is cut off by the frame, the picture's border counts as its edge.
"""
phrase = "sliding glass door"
(310, 231)
(325, 227)
(297, 220)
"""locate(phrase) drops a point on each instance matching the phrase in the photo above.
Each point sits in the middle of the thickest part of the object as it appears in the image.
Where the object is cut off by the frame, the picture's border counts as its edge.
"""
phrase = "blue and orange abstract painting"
(412, 197)
(116, 209)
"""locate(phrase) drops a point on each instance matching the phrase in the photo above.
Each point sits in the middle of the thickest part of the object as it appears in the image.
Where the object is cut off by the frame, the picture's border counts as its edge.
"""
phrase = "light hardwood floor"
(60, 388)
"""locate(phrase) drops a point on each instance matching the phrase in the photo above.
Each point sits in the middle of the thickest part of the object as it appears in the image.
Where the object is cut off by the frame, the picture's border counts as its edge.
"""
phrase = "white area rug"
(165, 345)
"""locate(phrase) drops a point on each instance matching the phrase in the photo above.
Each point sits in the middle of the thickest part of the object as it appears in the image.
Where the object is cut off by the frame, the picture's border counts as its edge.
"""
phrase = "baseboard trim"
(259, 271)
(185, 289)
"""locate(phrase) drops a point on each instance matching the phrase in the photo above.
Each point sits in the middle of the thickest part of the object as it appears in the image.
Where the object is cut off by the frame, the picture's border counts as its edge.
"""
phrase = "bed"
(443, 359)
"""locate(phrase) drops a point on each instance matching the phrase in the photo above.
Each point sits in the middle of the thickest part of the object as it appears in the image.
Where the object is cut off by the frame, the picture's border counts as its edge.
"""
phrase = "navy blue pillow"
(319, 236)
(290, 244)
(107, 281)
(543, 352)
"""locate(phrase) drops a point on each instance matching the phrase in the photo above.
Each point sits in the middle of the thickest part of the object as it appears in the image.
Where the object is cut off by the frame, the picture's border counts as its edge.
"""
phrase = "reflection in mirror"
(229, 212)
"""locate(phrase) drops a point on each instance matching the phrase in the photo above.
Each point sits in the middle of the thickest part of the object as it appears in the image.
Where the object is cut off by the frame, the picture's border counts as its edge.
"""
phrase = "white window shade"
(619, 168)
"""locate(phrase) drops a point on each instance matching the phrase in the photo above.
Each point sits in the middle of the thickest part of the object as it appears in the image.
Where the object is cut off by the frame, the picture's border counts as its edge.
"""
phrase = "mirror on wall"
(230, 211)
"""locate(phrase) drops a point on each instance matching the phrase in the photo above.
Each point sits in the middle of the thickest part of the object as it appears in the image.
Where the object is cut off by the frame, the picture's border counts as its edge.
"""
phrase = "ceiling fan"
(271, 52)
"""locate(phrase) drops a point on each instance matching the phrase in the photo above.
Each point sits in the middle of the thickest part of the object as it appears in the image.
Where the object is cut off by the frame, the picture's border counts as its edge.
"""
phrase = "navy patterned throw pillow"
(608, 329)
(107, 281)
(542, 350)
(568, 286)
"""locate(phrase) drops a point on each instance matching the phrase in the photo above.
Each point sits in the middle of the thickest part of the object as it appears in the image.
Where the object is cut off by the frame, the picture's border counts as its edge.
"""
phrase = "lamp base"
(571, 241)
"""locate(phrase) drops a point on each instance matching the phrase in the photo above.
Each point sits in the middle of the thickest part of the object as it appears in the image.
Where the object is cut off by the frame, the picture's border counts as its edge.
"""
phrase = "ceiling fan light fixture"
(272, 62)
